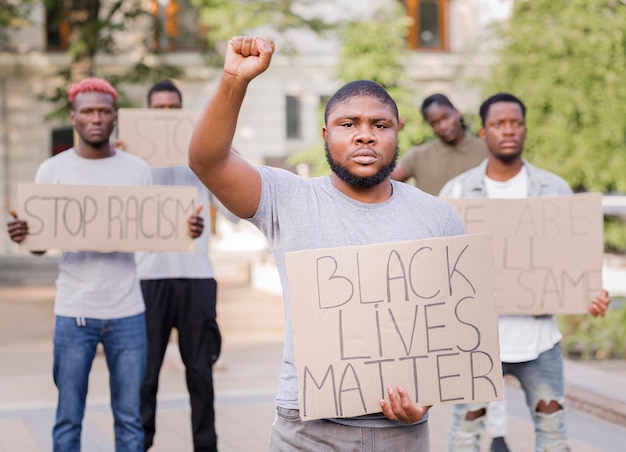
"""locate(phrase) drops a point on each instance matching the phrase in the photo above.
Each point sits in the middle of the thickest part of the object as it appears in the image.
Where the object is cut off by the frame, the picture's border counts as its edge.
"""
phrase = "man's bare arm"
(234, 181)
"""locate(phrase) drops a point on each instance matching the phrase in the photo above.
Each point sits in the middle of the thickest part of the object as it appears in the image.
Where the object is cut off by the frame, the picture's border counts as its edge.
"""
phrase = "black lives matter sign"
(158, 136)
(420, 314)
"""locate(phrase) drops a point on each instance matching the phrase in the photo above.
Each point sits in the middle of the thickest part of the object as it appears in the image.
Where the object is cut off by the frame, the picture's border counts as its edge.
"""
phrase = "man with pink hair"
(98, 296)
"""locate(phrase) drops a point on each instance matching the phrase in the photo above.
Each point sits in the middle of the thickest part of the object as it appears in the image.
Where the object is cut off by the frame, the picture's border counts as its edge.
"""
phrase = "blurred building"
(449, 44)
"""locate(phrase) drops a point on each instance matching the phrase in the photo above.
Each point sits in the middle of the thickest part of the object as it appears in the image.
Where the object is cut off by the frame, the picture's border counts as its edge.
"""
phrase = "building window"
(62, 139)
(57, 29)
(293, 117)
(429, 30)
(175, 25)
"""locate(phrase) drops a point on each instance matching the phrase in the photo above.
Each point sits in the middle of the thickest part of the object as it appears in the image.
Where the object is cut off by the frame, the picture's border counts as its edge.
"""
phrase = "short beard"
(357, 181)
(508, 158)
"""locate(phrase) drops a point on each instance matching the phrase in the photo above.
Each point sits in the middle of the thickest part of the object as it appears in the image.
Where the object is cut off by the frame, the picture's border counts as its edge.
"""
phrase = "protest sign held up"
(419, 314)
(548, 250)
(159, 136)
(106, 218)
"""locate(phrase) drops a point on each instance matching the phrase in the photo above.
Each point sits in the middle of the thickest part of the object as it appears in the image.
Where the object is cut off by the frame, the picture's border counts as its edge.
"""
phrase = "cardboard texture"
(159, 136)
(106, 218)
(548, 250)
(419, 314)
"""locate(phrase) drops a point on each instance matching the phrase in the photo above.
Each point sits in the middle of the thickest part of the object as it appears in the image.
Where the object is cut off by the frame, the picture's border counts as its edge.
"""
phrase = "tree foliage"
(227, 18)
(589, 338)
(96, 25)
(13, 15)
(92, 30)
(375, 49)
(566, 60)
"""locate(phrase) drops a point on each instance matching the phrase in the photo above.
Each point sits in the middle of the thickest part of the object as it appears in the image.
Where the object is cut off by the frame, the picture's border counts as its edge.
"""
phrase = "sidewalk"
(246, 376)
(245, 384)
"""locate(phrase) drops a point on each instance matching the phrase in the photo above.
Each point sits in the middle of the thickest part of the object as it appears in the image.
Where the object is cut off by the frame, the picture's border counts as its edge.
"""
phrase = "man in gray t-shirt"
(357, 204)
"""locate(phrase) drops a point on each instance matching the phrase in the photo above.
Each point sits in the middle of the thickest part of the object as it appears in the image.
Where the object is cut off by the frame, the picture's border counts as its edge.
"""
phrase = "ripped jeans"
(541, 380)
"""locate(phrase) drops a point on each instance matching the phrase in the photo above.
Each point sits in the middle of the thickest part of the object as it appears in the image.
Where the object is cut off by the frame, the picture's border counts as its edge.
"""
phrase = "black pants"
(189, 306)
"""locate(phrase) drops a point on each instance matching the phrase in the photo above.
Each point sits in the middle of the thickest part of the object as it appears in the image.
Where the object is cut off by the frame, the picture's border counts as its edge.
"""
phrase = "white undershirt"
(515, 187)
(522, 337)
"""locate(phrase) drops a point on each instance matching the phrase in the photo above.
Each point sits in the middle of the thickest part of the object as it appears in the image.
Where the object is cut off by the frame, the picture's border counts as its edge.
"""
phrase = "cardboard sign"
(159, 136)
(106, 218)
(419, 314)
(548, 250)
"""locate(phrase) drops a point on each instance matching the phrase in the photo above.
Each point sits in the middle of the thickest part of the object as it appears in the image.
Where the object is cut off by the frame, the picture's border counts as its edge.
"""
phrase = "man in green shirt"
(454, 151)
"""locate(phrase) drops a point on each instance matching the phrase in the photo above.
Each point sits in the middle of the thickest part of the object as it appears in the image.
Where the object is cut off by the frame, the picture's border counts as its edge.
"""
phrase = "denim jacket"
(471, 183)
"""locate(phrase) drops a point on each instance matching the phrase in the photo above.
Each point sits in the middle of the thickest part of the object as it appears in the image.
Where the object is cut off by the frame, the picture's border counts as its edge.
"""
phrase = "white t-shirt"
(166, 265)
(515, 187)
(522, 337)
(91, 284)
(194, 265)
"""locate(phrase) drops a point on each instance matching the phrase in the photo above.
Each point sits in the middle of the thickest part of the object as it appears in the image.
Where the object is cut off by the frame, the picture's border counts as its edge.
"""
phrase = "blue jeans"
(75, 342)
(541, 380)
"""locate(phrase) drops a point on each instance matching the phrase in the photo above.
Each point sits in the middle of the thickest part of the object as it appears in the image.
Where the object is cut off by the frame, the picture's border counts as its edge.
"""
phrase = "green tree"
(566, 59)
(375, 49)
(94, 24)
(91, 28)
(13, 15)
(227, 18)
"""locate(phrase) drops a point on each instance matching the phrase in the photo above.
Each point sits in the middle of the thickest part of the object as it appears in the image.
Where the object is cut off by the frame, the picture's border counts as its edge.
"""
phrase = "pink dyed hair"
(91, 84)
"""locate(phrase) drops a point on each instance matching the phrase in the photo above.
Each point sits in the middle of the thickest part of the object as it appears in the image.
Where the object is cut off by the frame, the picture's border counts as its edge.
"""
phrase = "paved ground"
(245, 381)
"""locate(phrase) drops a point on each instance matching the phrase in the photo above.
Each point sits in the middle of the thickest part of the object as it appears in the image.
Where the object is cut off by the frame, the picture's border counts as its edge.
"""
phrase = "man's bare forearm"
(211, 142)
